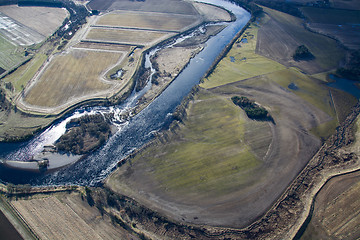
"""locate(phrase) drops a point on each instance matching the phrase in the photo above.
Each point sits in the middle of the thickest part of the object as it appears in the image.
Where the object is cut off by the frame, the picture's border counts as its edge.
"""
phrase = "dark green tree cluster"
(302, 53)
(251, 109)
(88, 126)
(352, 69)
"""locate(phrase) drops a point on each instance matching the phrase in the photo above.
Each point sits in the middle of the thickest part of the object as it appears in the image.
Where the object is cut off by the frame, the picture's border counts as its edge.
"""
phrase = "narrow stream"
(133, 132)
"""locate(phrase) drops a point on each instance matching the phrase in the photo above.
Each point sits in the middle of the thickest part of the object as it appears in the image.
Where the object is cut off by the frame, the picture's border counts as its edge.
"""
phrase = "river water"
(133, 133)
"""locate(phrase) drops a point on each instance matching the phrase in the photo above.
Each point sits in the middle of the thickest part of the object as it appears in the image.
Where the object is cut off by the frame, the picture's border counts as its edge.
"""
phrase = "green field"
(331, 16)
(25, 73)
(241, 62)
(10, 54)
(209, 154)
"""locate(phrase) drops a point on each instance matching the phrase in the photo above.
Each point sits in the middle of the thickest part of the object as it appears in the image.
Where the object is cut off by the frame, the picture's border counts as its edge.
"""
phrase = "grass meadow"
(209, 156)
(241, 62)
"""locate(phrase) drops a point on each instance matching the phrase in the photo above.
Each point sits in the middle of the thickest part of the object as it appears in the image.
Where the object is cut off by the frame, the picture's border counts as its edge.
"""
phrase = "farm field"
(282, 34)
(36, 17)
(163, 6)
(212, 13)
(340, 24)
(67, 216)
(348, 4)
(72, 84)
(148, 20)
(10, 54)
(104, 37)
(331, 16)
(132, 37)
(337, 207)
(337, 210)
(241, 62)
(18, 33)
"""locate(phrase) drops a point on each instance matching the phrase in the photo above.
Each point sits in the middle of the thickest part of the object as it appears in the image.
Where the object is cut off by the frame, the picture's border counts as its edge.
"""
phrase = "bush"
(252, 110)
(302, 53)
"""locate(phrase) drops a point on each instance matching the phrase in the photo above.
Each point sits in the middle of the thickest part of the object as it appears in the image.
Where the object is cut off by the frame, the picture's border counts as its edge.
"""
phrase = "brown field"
(348, 35)
(336, 213)
(134, 37)
(282, 34)
(164, 6)
(43, 20)
(337, 210)
(146, 20)
(66, 216)
(62, 82)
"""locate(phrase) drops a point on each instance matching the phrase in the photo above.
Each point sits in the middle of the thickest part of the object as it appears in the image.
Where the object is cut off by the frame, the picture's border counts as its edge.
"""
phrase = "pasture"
(43, 20)
(74, 75)
(147, 20)
(133, 37)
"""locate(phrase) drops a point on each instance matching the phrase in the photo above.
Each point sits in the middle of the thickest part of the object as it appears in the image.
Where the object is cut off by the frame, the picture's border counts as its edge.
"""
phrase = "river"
(134, 132)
